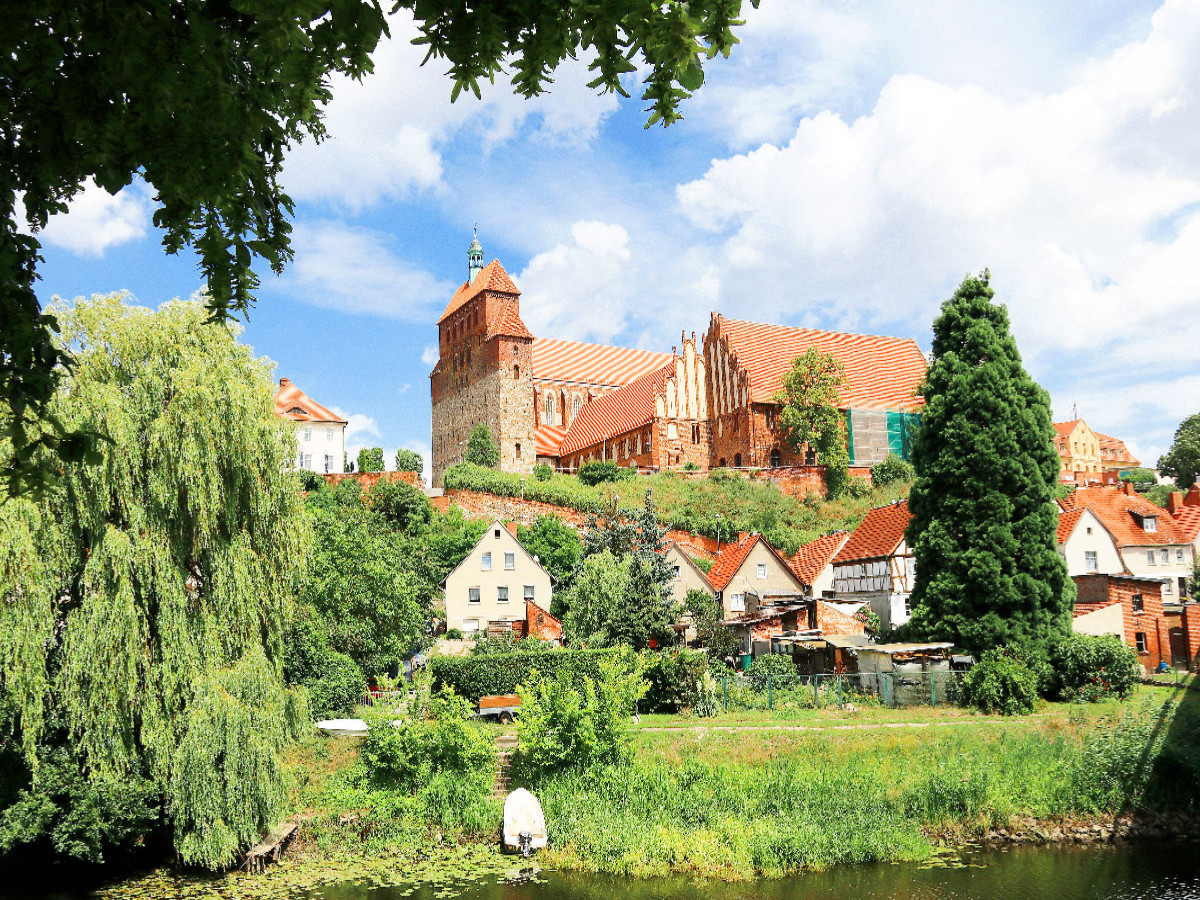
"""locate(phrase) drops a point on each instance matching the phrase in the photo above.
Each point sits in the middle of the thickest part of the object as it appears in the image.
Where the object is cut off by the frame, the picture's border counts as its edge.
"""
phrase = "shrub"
(566, 724)
(772, 665)
(454, 634)
(1088, 668)
(593, 473)
(1000, 683)
(858, 488)
(482, 449)
(500, 673)
(542, 472)
(401, 504)
(672, 679)
(337, 686)
(409, 461)
(311, 481)
(409, 753)
(891, 470)
(510, 643)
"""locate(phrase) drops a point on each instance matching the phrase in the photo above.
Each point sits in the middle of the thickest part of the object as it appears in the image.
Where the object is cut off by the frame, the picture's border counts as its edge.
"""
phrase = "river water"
(1169, 871)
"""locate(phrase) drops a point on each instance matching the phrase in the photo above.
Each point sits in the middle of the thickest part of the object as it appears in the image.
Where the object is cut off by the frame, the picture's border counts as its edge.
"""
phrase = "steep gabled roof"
(1067, 520)
(731, 559)
(878, 536)
(625, 409)
(598, 364)
(1064, 429)
(292, 403)
(506, 528)
(492, 278)
(683, 551)
(811, 559)
(881, 372)
(1122, 514)
(508, 323)
(549, 437)
(1187, 521)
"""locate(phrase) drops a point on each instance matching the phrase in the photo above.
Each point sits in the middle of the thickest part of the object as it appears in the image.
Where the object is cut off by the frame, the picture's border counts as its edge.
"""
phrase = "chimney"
(284, 382)
(1129, 489)
(1174, 502)
(1192, 497)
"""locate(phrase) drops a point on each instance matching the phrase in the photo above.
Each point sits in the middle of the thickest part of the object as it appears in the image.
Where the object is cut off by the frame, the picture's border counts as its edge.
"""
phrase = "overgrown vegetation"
(481, 675)
(1000, 682)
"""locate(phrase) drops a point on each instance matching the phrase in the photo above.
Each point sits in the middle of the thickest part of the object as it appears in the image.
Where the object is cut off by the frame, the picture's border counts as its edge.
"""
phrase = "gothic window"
(695, 434)
(549, 408)
(775, 458)
(574, 408)
(737, 459)
(516, 373)
(770, 418)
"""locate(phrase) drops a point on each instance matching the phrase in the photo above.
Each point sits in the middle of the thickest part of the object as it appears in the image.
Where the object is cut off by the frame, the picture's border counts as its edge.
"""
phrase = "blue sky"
(843, 169)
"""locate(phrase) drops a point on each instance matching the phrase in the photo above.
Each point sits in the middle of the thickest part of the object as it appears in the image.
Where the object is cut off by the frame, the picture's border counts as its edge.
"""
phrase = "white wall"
(779, 579)
(1178, 564)
(315, 441)
(1090, 536)
(1106, 620)
(497, 541)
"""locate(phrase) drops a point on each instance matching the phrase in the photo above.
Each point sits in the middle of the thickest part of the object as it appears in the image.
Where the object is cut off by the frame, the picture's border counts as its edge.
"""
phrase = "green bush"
(510, 643)
(500, 673)
(1000, 683)
(409, 753)
(337, 686)
(891, 470)
(482, 449)
(1088, 668)
(673, 679)
(542, 472)
(454, 634)
(401, 504)
(772, 665)
(593, 473)
(858, 488)
(567, 724)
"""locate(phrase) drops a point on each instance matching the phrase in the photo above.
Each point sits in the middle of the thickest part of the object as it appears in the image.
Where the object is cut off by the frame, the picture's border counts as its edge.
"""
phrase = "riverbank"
(745, 800)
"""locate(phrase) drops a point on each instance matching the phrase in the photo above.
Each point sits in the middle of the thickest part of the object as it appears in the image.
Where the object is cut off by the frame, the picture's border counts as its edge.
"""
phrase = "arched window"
(721, 462)
(737, 460)
(549, 405)
(574, 408)
(516, 373)
(775, 458)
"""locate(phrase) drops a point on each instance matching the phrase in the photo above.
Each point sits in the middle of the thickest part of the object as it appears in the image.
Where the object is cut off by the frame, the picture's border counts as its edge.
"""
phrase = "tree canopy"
(370, 459)
(1182, 461)
(482, 449)
(810, 416)
(145, 598)
(984, 522)
(409, 461)
(556, 545)
(202, 101)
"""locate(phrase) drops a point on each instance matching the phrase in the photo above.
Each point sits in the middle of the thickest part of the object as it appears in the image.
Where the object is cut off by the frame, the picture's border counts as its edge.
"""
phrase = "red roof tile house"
(813, 563)
(875, 565)
(746, 365)
(1131, 609)
(1089, 456)
(1185, 510)
(320, 432)
(760, 595)
(1086, 545)
(1147, 537)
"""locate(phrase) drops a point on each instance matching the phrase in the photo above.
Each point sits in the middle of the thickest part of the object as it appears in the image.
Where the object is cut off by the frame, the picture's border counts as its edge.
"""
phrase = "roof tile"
(730, 560)
(879, 534)
(292, 403)
(598, 364)
(492, 278)
(625, 409)
(1122, 514)
(814, 556)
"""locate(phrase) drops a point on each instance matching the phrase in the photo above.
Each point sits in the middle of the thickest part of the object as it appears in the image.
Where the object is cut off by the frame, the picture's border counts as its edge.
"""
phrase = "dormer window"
(1150, 523)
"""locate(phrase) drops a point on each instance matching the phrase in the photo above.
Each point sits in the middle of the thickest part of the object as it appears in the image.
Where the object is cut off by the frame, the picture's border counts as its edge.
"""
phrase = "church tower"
(484, 371)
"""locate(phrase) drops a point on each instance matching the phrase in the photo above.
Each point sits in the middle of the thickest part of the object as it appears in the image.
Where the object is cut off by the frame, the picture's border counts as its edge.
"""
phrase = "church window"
(775, 458)
(549, 408)
(516, 373)
(695, 434)
(574, 408)
(737, 460)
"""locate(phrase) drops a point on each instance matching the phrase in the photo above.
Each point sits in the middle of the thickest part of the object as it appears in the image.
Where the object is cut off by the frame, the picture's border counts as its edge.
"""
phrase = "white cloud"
(96, 220)
(341, 267)
(404, 389)
(1084, 201)
(387, 135)
(429, 355)
(358, 426)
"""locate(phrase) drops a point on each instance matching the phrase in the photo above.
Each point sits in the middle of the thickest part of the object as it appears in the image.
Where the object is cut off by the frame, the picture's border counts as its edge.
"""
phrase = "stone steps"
(505, 745)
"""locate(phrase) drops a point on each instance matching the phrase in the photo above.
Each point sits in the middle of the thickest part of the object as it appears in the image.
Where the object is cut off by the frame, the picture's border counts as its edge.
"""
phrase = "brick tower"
(484, 370)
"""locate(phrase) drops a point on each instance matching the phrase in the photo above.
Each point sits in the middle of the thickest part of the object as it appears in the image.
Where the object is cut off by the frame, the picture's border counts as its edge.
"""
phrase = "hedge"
(500, 673)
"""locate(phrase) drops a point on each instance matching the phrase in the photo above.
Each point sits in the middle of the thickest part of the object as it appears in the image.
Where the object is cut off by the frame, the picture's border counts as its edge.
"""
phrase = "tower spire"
(474, 256)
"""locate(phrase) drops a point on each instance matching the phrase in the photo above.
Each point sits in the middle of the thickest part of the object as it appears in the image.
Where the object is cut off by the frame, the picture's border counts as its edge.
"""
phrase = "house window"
(1150, 558)
(1183, 587)
(1137, 603)
(1166, 557)
(473, 595)
(1090, 562)
(329, 434)
(518, 451)
(306, 461)
(502, 594)
(328, 463)
(496, 533)
(470, 626)
(675, 569)
(762, 570)
(775, 458)
(487, 562)
(528, 593)
(1089, 529)
(510, 561)
(308, 433)
(770, 418)
(737, 602)
(1140, 640)
(1150, 523)
(1178, 556)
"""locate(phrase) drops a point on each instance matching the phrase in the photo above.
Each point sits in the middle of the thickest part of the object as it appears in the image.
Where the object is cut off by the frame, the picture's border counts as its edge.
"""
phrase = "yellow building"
(1088, 452)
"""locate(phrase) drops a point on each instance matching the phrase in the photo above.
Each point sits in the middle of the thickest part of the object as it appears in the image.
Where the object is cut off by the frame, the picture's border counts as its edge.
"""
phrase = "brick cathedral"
(711, 404)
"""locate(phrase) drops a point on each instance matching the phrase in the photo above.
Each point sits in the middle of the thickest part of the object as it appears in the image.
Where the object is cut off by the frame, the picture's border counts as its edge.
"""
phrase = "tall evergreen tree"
(143, 603)
(983, 515)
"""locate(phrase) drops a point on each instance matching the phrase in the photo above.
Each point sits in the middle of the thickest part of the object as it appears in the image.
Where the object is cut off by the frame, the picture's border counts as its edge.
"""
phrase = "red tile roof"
(1067, 520)
(730, 560)
(492, 278)
(572, 361)
(814, 556)
(292, 403)
(625, 409)
(1122, 514)
(1112, 448)
(879, 534)
(1187, 521)
(1064, 429)
(881, 372)
(548, 439)
(508, 323)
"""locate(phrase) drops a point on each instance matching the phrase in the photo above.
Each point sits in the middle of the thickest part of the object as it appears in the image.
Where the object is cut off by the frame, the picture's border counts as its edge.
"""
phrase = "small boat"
(343, 727)
(524, 828)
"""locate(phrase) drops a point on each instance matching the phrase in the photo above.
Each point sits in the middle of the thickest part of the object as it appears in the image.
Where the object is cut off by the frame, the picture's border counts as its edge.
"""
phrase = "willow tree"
(144, 601)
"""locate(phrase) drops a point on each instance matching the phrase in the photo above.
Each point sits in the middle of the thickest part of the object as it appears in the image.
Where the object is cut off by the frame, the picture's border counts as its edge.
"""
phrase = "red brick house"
(1129, 607)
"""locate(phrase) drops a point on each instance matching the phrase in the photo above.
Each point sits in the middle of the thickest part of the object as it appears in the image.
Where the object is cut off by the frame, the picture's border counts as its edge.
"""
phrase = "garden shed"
(907, 674)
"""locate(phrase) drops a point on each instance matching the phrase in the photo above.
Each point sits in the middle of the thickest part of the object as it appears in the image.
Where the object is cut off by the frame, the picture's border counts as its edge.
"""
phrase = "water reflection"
(1141, 872)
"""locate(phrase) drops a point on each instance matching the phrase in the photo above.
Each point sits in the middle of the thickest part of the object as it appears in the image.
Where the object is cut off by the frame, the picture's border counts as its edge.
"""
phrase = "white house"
(1086, 545)
(875, 565)
(320, 434)
(499, 585)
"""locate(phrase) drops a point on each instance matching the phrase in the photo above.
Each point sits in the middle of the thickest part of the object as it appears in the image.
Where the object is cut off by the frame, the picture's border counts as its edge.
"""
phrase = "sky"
(843, 169)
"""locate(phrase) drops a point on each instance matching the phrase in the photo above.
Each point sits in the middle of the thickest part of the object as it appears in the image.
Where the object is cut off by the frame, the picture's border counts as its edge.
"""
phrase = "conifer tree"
(983, 530)
(143, 603)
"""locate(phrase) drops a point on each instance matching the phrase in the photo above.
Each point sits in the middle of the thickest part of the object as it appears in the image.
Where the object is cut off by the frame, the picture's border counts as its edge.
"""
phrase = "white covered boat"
(343, 727)
(524, 828)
